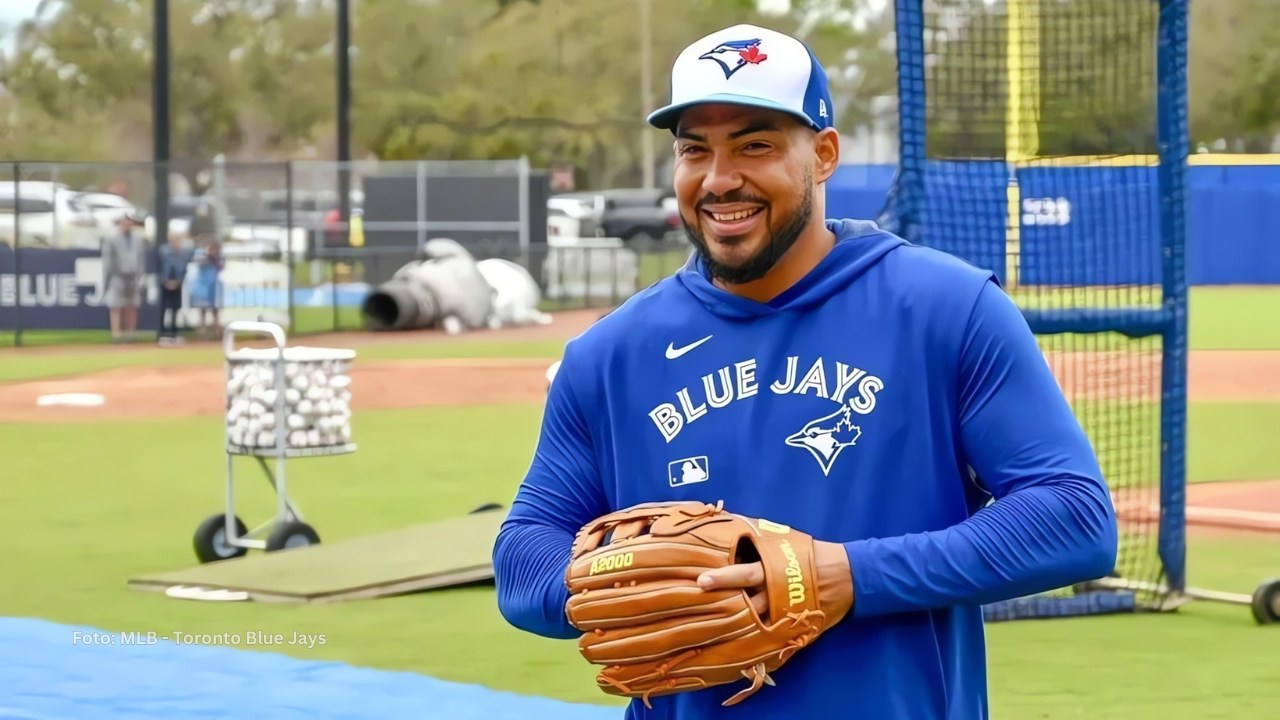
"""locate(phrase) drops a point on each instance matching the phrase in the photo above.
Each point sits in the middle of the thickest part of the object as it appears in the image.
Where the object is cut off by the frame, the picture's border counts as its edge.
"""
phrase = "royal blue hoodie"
(894, 400)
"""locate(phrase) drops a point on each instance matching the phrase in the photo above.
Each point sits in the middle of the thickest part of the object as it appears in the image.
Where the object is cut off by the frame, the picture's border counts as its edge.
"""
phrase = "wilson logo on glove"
(795, 576)
(640, 629)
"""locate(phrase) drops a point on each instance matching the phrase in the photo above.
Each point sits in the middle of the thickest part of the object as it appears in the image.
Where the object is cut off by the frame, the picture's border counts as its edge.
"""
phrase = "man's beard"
(758, 265)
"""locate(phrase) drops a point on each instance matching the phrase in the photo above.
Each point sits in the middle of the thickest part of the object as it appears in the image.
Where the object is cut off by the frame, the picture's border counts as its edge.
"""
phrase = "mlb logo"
(688, 471)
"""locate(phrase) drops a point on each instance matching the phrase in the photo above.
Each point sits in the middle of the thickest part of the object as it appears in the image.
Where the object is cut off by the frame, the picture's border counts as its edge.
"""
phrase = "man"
(826, 375)
(124, 265)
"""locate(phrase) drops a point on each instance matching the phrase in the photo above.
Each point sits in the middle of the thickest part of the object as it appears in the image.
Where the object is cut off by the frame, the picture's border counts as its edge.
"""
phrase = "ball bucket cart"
(281, 403)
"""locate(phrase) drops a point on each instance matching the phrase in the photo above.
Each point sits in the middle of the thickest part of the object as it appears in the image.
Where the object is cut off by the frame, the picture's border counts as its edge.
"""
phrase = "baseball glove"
(633, 593)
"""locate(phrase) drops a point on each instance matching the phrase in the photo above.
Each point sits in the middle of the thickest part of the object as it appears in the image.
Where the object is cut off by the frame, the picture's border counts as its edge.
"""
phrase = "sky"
(13, 12)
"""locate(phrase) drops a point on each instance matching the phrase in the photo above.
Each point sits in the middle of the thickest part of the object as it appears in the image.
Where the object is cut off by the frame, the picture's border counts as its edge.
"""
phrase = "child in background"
(205, 288)
(173, 270)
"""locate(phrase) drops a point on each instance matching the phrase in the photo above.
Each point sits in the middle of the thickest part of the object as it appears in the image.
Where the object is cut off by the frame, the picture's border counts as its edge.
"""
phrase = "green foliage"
(560, 80)
(557, 80)
(1235, 73)
(1086, 77)
(126, 497)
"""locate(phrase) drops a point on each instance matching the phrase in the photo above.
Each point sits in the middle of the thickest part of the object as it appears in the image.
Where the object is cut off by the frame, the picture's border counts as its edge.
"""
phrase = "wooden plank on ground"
(433, 555)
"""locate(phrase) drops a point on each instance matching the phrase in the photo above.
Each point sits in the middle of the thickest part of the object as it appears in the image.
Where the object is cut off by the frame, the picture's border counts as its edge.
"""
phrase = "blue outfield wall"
(1087, 225)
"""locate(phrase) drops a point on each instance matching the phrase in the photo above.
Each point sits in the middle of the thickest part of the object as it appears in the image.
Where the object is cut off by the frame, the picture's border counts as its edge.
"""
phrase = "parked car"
(107, 209)
(52, 216)
(632, 214)
(574, 217)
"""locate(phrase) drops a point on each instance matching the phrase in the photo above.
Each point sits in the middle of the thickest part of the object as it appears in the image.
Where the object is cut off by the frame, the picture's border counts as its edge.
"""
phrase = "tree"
(1087, 78)
(1235, 74)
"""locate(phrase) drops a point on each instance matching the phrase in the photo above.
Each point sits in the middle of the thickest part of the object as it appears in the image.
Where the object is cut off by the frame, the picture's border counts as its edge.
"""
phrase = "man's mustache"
(733, 197)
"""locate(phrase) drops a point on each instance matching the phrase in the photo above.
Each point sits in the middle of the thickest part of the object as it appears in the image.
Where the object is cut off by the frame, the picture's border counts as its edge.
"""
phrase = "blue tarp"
(54, 671)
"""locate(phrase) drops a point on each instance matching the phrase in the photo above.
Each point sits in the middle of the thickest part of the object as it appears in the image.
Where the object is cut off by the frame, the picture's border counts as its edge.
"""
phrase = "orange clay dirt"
(174, 391)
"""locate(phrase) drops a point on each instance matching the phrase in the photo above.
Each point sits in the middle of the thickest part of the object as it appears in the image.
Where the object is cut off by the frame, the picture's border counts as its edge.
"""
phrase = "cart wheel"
(211, 539)
(1266, 603)
(486, 508)
(292, 534)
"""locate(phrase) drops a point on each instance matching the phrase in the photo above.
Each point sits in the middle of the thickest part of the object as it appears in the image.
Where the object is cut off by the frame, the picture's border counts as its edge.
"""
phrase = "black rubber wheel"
(211, 539)
(486, 508)
(1266, 603)
(291, 535)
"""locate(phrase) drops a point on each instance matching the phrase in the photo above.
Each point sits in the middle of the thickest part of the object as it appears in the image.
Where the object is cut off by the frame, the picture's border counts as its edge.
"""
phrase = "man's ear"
(826, 149)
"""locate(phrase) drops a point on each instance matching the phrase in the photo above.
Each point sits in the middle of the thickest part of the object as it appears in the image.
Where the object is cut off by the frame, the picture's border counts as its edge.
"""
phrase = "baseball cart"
(281, 403)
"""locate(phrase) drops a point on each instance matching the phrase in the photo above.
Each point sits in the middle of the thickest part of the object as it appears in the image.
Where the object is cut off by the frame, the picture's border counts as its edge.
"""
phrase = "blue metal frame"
(906, 201)
(904, 215)
(1172, 177)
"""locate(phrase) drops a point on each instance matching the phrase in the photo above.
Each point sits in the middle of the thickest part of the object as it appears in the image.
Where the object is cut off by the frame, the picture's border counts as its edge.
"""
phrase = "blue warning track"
(48, 670)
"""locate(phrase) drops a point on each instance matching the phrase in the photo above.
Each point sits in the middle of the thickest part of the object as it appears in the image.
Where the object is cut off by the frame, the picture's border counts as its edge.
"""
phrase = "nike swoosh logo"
(674, 352)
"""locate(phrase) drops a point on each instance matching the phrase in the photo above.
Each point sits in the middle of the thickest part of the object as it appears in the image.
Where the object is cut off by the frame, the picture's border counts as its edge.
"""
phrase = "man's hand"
(835, 580)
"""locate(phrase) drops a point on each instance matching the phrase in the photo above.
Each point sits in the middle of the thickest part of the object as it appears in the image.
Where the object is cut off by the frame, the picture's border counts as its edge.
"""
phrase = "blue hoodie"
(894, 400)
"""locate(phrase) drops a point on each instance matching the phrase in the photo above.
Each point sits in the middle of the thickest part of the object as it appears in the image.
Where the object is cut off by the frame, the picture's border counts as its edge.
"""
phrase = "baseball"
(315, 396)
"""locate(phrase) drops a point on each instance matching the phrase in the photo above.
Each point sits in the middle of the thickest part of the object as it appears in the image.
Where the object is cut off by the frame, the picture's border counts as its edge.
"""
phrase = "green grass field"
(91, 505)
(84, 532)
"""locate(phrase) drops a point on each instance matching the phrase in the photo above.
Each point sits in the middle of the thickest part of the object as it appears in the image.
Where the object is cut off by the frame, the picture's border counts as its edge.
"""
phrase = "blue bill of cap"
(666, 118)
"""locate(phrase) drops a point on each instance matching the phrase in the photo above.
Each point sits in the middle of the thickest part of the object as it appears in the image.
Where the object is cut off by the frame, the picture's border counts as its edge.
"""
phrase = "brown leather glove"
(634, 594)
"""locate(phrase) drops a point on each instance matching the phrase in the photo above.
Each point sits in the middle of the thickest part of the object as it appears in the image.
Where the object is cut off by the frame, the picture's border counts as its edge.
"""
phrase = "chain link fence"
(300, 243)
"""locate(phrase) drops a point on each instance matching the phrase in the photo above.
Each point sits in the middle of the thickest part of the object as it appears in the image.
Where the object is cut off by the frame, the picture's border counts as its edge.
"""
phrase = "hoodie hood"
(860, 244)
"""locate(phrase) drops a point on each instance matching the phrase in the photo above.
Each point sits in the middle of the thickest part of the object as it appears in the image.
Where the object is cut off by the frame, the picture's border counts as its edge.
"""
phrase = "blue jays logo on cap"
(740, 52)
(785, 76)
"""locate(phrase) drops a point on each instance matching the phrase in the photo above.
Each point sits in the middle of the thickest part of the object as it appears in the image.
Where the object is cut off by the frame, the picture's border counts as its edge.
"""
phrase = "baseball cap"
(753, 66)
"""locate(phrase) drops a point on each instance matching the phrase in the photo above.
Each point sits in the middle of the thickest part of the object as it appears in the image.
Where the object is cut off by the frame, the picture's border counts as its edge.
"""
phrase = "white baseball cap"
(749, 65)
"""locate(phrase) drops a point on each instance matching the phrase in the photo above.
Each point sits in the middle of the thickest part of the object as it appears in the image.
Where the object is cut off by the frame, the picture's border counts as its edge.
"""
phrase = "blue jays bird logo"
(734, 55)
(826, 437)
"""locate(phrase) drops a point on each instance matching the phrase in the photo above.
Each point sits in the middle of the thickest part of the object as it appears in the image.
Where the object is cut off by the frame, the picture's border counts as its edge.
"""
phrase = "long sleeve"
(109, 263)
(560, 493)
(1052, 522)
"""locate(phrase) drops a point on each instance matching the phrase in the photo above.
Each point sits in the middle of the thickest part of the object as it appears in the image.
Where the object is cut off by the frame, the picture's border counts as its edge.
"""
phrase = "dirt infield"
(1212, 375)
(1247, 505)
(161, 392)
(158, 391)
(178, 391)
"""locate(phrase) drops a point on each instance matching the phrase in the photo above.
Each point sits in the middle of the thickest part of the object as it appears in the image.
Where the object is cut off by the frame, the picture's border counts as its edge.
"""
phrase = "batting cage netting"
(1046, 140)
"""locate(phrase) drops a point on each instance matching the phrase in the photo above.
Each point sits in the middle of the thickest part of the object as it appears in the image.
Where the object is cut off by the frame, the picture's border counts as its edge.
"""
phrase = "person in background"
(172, 271)
(204, 295)
(124, 264)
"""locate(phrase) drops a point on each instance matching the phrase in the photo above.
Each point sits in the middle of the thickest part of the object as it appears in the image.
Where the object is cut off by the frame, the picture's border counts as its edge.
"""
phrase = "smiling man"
(886, 399)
